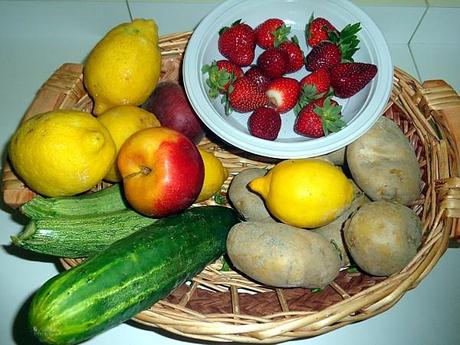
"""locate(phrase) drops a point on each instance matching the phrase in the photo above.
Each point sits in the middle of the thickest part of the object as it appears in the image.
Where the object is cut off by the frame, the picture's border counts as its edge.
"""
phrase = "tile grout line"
(417, 70)
(129, 10)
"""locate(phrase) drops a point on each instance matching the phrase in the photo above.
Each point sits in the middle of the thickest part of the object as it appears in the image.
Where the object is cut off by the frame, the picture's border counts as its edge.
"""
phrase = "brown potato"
(383, 164)
(249, 204)
(382, 237)
(281, 255)
(337, 157)
(334, 230)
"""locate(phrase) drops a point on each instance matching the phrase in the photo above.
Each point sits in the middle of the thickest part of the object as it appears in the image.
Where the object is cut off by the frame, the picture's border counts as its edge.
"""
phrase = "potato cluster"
(379, 232)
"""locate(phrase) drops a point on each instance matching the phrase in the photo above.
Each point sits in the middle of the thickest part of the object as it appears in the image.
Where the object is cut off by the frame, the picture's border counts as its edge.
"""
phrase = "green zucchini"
(129, 276)
(76, 237)
(106, 200)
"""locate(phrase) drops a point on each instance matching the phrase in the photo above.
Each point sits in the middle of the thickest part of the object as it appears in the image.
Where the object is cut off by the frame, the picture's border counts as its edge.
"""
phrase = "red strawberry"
(309, 124)
(221, 74)
(313, 86)
(237, 43)
(283, 93)
(324, 55)
(319, 118)
(348, 79)
(319, 81)
(265, 123)
(295, 54)
(271, 32)
(273, 62)
(340, 47)
(317, 30)
(256, 75)
(244, 96)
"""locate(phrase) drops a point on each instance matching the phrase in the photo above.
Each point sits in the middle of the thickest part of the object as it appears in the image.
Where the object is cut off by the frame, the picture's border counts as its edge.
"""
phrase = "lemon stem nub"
(260, 185)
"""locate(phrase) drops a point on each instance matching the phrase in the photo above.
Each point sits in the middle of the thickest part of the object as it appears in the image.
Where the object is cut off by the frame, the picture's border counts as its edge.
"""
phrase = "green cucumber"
(76, 237)
(129, 276)
(106, 200)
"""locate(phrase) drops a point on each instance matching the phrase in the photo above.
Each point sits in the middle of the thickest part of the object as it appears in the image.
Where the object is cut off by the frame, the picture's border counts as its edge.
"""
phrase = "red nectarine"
(170, 105)
(162, 171)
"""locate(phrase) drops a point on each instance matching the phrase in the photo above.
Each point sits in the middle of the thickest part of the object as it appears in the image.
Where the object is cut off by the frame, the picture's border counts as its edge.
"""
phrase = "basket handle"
(440, 101)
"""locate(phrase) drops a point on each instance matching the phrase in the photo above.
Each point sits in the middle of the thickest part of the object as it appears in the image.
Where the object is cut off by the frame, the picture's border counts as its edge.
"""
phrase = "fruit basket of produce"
(228, 298)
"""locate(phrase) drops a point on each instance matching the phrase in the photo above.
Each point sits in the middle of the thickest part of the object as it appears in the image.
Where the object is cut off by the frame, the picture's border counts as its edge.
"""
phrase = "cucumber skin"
(77, 237)
(129, 276)
(106, 200)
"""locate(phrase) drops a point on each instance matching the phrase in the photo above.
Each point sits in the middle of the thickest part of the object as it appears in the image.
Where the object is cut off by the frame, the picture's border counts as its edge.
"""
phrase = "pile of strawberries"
(262, 86)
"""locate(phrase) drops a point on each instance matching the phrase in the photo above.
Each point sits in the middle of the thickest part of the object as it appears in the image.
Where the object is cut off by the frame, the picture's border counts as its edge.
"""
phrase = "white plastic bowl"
(360, 111)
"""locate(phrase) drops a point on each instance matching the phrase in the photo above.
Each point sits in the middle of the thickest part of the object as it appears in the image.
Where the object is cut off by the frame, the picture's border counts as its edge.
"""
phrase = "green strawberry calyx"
(308, 94)
(281, 34)
(225, 28)
(307, 26)
(218, 79)
(331, 116)
(346, 40)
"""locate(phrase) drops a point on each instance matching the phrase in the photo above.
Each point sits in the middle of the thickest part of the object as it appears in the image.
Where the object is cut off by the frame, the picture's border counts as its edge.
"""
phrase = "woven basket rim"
(287, 324)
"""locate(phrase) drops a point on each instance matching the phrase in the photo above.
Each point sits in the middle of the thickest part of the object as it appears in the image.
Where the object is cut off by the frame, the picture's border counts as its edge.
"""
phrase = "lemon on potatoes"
(62, 152)
(215, 175)
(122, 121)
(124, 66)
(305, 193)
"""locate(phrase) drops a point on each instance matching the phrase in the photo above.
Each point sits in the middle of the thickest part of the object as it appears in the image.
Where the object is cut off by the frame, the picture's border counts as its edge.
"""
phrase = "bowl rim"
(202, 105)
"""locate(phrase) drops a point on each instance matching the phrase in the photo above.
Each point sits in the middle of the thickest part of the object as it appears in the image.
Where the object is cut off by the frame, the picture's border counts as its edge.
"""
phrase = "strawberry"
(271, 32)
(244, 96)
(237, 43)
(340, 47)
(283, 93)
(317, 30)
(221, 74)
(348, 79)
(273, 62)
(264, 123)
(318, 80)
(319, 118)
(295, 54)
(256, 75)
(324, 55)
(309, 124)
(313, 86)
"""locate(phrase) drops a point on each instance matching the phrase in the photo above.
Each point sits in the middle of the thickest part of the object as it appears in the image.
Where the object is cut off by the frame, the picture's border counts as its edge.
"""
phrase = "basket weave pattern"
(222, 305)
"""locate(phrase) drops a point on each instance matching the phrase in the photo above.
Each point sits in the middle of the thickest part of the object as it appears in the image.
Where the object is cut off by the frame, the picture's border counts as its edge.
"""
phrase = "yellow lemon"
(122, 121)
(305, 193)
(61, 153)
(215, 175)
(124, 66)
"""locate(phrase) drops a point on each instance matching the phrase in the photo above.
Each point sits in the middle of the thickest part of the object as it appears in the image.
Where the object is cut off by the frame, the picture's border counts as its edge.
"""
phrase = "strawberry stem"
(227, 107)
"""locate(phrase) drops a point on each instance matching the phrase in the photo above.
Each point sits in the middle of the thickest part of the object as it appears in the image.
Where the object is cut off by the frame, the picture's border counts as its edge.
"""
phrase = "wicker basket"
(225, 306)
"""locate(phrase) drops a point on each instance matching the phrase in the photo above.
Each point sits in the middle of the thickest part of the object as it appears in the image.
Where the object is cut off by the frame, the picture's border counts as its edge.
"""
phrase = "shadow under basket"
(219, 305)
